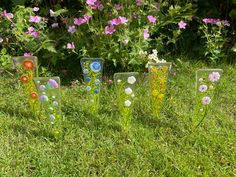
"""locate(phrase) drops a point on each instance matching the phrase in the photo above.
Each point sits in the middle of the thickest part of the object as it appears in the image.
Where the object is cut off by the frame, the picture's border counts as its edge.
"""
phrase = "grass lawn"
(97, 146)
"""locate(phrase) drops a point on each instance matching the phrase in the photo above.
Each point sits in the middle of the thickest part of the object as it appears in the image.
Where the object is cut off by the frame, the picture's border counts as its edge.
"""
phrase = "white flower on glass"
(131, 80)
(127, 103)
(128, 91)
(200, 79)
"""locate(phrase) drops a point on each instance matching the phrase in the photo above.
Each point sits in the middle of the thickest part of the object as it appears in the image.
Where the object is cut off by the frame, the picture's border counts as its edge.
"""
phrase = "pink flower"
(214, 76)
(95, 4)
(206, 100)
(35, 34)
(118, 21)
(91, 2)
(146, 34)
(109, 29)
(27, 54)
(7, 15)
(126, 41)
(139, 2)
(151, 19)
(117, 7)
(182, 24)
(51, 12)
(87, 17)
(36, 9)
(35, 19)
(216, 21)
(70, 45)
(203, 88)
(79, 21)
(55, 25)
(71, 29)
(30, 29)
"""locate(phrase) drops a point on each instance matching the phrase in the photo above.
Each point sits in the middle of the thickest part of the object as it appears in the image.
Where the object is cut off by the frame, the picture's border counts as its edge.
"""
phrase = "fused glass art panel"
(92, 71)
(27, 69)
(158, 77)
(49, 96)
(206, 85)
(126, 94)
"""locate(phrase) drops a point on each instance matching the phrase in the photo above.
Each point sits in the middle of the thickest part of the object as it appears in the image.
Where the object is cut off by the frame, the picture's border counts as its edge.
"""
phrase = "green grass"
(97, 146)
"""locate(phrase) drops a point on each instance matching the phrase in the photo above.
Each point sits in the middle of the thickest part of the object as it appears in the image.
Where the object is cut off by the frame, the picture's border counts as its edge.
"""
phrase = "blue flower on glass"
(96, 91)
(53, 83)
(42, 87)
(88, 88)
(85, 71)
(44, 98)
(95, 66)
(87, 79)
(97, 81)
(52, 116)
(55, 103)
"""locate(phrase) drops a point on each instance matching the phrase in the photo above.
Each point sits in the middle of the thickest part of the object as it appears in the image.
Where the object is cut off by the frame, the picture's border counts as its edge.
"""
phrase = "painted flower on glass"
(53, 83)
(206, 100)
(33, 95)
(127, 103)
(95, 67)
(24, 79)
(28, 64)
(155, 93)
(87, 79)
(44, 98)
(85, 71)
(96, 91)
(55, 103)
(88, 88)
(203, 88)
(200, 79)
(97, 81)
(42, 87)
(52, 116)
(131, 80)
(128, 91)
(214, 76)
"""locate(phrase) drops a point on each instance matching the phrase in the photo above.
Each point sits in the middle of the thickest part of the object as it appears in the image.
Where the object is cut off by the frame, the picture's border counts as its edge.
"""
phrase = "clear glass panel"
(158, 77)
(206, 85)
(49, 96)
(92, 70)
(27, 69)
(126, 93)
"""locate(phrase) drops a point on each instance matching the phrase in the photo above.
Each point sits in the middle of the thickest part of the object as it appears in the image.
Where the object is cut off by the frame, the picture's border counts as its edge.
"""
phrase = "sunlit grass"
(97, 146)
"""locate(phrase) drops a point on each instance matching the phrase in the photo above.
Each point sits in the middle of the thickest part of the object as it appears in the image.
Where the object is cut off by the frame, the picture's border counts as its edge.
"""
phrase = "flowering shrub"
(215, 35)
(116, 32)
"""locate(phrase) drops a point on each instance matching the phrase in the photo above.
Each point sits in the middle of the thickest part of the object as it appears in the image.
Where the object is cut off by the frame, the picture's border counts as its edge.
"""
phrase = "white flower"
(52, 13)
(118, 80)
(127, 103)
(132, 95)
(131, 80)
(128, 91)
(200, 79)
(1, 40)
(211, 87)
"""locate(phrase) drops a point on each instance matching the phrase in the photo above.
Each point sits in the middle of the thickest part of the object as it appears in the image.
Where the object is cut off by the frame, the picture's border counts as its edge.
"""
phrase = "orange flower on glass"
(28, 64)
(24, 79)
(33, 95)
